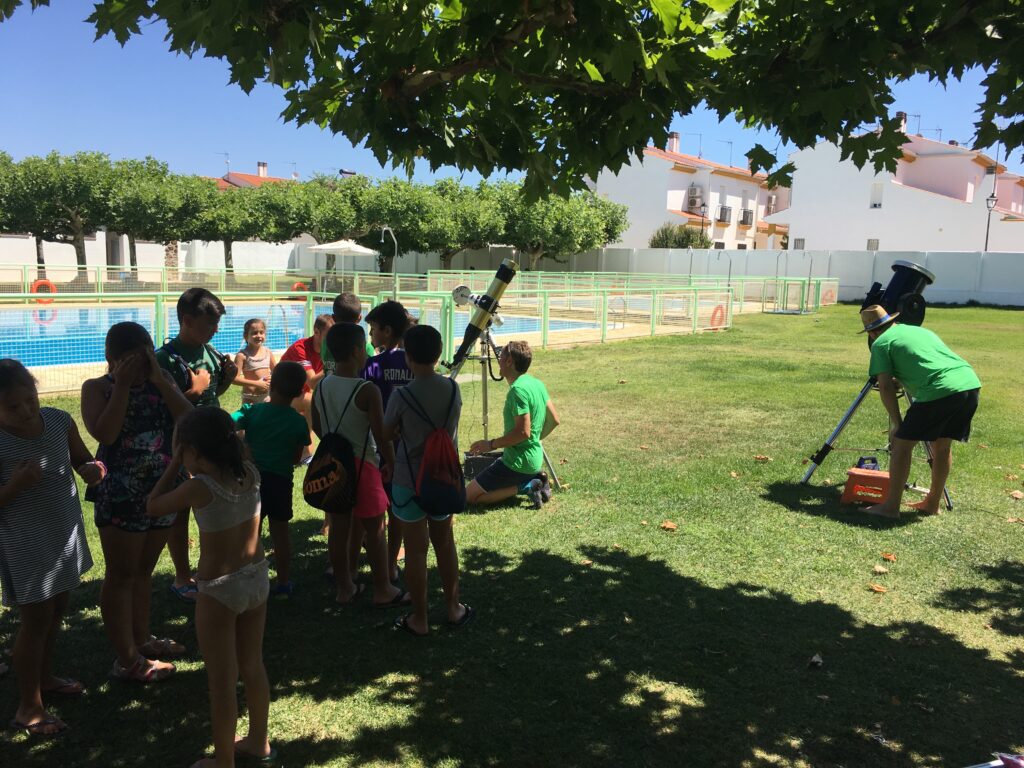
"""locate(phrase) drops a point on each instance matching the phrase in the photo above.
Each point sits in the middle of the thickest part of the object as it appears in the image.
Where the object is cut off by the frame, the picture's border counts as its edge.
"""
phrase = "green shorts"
(403, 504)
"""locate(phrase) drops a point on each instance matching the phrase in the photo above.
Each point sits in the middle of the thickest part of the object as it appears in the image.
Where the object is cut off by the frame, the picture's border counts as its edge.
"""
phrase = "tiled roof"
(678, 157)
(250, 179)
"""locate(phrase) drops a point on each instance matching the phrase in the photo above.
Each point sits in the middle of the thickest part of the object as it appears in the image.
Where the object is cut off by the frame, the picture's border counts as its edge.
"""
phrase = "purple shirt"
(388, 370)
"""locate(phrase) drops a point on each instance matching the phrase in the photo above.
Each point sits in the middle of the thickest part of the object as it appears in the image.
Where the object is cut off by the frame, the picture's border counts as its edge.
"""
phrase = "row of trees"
(65, 198)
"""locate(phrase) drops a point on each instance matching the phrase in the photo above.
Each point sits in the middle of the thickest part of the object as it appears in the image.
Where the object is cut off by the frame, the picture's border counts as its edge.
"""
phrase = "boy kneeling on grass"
(276, 434)
(427, 403)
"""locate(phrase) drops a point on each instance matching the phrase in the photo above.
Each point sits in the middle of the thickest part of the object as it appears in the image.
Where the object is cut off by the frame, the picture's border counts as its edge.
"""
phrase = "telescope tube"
(486, 306)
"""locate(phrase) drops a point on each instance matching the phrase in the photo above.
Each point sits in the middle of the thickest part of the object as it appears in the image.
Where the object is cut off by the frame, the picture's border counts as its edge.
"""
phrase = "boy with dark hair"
(276, 435)
(347, 309)
(436, 398)
(529, 417)
(347, 405)
(203, 375)
(388, 322)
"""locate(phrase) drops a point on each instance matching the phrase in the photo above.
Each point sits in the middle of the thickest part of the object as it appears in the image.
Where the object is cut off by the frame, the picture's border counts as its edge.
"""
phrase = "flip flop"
(186, 593)
(247, 758)
(466, 617)
(162, 648)
(402, 623)
(360, 589)
(67, 687)
(397, 601)
(35, 729)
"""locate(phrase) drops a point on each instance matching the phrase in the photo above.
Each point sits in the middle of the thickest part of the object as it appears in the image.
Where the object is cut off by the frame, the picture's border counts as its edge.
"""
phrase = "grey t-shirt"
(434, 395)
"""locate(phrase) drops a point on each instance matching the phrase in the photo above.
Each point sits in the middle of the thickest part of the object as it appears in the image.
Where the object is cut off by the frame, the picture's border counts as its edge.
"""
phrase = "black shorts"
(275, 496)
(948, 417)
(498, 476)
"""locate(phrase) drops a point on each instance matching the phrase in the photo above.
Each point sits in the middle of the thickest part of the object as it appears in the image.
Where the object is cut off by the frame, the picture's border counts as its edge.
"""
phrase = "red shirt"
(305, 353)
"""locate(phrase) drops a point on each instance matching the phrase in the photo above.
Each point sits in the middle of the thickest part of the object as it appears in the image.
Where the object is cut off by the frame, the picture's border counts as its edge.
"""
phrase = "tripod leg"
(551, 469)
(826, 449)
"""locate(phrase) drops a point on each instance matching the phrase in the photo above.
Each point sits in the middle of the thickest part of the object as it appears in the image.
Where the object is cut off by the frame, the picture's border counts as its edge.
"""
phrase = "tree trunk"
(132, 259)
(40, 261)
(229, 262)
(386, 264)
(535, 257)
(446, 259)
(79, 243)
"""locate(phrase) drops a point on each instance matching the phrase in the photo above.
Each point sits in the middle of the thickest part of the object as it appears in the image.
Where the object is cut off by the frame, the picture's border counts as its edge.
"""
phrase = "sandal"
(162, 648)
(402, 623)
(66, 687)
(248, 758)
(360, 589)
(142, 671)
(36, 729)
(402, 598)
(467, 616)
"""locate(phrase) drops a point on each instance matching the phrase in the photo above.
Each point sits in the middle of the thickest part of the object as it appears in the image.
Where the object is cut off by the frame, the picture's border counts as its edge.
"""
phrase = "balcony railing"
(746, 217)
(724, 214)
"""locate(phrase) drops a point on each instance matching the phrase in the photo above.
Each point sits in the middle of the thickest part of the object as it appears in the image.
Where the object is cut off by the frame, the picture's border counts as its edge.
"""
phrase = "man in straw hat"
(944, 389)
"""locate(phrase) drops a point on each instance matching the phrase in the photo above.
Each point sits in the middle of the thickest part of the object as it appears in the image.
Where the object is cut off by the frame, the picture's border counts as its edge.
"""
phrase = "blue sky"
(61, 90)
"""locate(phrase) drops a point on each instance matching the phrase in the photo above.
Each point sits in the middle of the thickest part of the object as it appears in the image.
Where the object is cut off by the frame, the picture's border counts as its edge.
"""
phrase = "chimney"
(261, 169)
(954, 143)
(901, 117)
(673, 142)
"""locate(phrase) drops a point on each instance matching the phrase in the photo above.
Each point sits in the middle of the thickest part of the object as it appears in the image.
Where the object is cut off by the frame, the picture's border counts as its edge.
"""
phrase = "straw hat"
(875, 316)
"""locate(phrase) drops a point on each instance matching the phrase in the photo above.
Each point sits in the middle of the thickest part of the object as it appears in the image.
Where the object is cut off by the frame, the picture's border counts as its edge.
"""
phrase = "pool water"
(47, 336)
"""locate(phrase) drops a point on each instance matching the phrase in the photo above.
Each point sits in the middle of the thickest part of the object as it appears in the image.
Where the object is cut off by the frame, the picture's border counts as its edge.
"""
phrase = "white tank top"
(330, 399)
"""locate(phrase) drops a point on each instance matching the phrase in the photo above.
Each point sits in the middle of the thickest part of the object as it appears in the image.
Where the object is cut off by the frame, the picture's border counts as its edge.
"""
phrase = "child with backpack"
(428, 483)
(344, 479)
(276, 434)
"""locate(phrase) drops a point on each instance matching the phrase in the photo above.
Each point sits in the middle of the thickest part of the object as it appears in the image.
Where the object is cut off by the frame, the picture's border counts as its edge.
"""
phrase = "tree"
(62, 198)
(138, 203)
(565, 88)
(465, 218)
(670, 235)
(227, 215)
(408, 208)
(558, 227)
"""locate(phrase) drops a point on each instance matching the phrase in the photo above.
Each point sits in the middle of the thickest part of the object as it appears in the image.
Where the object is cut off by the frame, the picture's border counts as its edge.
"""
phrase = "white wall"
(642, 185)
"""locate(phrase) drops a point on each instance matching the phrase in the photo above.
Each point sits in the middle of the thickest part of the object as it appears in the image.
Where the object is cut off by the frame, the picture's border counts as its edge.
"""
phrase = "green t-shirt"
(274, 433)
(526, 395)
(328, 358)
(196, 358)
(928, 369)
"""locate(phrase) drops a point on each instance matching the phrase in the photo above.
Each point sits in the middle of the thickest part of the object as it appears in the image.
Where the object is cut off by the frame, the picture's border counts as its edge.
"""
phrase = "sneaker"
(545, 490)
(284, 591)
(534, 493)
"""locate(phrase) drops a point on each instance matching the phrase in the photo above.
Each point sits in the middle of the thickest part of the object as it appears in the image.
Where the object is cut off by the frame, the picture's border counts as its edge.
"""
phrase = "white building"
(727, 202)
(935, 201)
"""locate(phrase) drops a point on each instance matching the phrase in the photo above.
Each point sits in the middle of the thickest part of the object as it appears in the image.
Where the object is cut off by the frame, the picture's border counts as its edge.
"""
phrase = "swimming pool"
(62, 336)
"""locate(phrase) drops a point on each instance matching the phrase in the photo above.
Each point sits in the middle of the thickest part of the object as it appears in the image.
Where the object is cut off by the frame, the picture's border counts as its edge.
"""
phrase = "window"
(798, 244)
(876, 195)
(724, 214)
(741, 246)
(719, 245)
(872, 243)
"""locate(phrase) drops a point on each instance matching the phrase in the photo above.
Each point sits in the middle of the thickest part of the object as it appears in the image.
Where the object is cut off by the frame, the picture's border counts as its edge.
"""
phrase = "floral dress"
(135, 461)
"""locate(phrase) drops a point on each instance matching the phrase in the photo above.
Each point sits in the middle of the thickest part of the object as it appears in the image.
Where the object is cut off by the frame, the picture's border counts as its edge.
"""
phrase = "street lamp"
(703, 215)
(990, 203)
(394, 260)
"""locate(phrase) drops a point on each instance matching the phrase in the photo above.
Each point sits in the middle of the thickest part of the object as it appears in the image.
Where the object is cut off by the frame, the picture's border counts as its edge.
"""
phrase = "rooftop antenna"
(700, 143)
(726, 141)
(227, 160)
(295, 169)
(918, 131)
(937, 131)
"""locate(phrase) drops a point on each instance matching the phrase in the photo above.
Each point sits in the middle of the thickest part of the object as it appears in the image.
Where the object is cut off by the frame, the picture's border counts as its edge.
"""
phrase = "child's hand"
(155, 373)
(387, 472)
(228, 371)
(127, 369)
(27, 473)
(479, 447)
(200, 380)
(91, 473)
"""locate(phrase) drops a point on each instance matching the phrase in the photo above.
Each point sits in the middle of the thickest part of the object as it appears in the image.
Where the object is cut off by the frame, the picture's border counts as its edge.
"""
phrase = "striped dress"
(43, 550)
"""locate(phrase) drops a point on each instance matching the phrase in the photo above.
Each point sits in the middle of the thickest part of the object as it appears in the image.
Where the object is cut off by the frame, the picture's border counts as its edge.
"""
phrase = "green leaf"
(593, 71)
(668, 11)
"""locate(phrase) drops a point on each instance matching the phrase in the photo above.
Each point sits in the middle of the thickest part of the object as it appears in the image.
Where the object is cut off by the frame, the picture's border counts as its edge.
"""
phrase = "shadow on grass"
(823, 501)
(1004, 597)
(620, 662)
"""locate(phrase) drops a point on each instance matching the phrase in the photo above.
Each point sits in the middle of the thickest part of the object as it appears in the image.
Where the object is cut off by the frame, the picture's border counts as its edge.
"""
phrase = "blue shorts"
(499, 476)
(406, 509)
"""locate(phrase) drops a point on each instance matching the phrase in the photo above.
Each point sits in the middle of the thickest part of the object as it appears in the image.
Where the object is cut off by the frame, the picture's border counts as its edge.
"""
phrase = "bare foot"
(38, 723)
(63, 686)
(342, 597)
(881, 510)
(926, 506)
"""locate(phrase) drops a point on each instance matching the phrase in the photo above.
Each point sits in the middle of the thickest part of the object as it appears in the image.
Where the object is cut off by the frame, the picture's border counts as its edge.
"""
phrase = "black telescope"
(486, 306)
(904, 294)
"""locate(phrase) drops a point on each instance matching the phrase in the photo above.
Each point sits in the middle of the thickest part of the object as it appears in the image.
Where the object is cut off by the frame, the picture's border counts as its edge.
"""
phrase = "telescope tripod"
(830, 443)
(487, 349)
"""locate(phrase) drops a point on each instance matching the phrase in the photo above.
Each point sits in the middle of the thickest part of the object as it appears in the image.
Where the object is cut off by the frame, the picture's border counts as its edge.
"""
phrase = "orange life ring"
(829, 297)
(43, 283)
(38, 319)
(300, 286)
(719, 313)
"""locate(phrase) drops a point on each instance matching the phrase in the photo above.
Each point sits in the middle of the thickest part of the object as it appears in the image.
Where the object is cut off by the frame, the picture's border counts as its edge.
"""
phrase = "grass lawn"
(603, 639)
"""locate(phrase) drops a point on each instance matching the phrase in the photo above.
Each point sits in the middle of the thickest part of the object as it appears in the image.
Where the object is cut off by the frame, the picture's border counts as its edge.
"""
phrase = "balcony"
(724, 214)
(746, 217)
